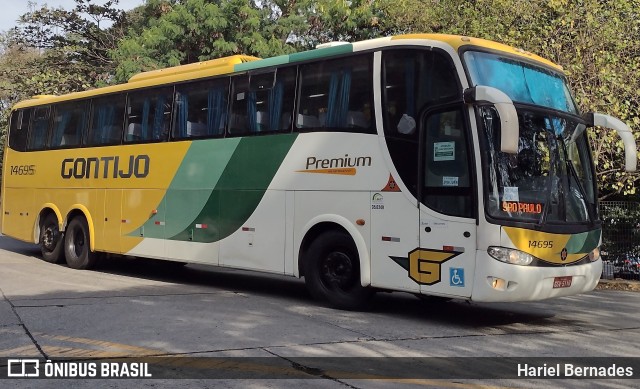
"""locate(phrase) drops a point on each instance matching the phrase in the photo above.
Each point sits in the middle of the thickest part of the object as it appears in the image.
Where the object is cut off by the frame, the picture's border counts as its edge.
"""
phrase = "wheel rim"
(337, 270)
(50, 237)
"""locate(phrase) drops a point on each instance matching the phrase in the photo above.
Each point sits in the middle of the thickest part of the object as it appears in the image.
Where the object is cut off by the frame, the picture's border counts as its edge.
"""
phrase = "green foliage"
(196, 30)
(620, 228)
(177, 32)
(76, 36)
(338, 20)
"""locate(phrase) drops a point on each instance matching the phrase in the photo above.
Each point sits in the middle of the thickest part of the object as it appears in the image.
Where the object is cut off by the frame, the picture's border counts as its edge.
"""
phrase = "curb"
(619, 284)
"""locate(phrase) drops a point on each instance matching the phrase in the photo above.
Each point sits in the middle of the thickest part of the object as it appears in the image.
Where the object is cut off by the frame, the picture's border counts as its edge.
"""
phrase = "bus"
(438, 165)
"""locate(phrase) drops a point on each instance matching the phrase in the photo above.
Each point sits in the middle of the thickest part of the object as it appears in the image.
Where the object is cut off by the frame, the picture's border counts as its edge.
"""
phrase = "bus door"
(444, 263)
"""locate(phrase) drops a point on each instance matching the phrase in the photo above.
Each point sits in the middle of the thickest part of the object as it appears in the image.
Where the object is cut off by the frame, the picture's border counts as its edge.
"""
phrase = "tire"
(332, 271)
(77, 245)
(51, 239)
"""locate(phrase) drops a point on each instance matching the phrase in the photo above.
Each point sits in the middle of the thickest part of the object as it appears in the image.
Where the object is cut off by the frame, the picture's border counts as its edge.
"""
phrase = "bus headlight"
(594, 255)
(512, 256)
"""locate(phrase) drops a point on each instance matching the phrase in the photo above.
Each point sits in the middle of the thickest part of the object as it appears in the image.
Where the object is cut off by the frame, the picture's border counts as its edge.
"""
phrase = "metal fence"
(620, 239)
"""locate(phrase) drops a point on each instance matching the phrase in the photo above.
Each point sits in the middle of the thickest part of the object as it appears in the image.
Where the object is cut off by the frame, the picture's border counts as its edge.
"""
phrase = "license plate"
(562, 282)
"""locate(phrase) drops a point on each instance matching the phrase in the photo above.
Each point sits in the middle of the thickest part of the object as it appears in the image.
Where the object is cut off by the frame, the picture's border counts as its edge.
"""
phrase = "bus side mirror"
(509, 127)
(624, 132)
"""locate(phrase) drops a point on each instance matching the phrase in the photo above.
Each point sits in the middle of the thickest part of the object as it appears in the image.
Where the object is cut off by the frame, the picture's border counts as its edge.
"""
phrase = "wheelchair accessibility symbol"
(456, 276)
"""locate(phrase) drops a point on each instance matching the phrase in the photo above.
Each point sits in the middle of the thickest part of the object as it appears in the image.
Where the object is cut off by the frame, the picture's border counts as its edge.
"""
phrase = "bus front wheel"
(76, 245)
(51, 239)
(332, 271)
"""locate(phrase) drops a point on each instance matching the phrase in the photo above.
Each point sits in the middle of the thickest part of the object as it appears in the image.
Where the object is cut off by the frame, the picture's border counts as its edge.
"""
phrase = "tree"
(83, 36)
(338, 20)
(195, 30)
(596, 41)
(175, 32)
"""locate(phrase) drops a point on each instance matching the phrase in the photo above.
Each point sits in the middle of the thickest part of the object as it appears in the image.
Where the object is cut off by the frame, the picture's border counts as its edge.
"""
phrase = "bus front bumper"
(497, 281)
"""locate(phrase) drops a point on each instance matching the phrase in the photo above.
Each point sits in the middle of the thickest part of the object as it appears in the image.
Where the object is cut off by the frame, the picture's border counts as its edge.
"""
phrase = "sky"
(10, 10)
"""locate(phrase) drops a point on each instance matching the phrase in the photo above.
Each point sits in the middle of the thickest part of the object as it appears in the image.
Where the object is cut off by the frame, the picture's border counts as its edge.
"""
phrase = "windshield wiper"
(583, 193)
(552, 173)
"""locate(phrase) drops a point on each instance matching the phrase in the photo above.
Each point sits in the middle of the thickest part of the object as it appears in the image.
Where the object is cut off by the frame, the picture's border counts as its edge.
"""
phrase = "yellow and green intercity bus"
(437, 165)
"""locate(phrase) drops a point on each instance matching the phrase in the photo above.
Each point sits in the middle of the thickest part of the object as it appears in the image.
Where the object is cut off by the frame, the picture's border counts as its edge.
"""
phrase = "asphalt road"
(142, 308)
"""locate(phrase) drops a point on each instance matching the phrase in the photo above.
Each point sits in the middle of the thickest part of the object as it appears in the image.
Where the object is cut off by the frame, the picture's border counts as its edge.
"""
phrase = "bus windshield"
(550, 179)
(523, 83)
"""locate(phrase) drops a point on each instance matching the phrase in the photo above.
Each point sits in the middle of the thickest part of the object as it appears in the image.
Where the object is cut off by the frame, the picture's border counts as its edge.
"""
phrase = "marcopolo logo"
(106, 167)
(341, 165)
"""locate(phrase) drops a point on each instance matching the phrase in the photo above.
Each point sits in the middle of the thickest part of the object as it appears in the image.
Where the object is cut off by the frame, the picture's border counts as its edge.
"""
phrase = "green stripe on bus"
(262, 63)
(320, 53)
(204, 163)
(583, 242)
(191, 187)
(242, 185)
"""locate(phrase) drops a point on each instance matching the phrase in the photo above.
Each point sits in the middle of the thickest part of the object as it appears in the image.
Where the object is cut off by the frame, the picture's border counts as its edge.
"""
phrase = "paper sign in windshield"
(510, 193)
(444, 151)
(517, 207)
(449, 181)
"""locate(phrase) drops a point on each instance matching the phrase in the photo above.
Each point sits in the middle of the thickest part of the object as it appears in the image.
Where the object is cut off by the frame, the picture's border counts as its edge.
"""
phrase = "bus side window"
(413, 80)
(69, 123)
(336, 95)
(19, 129)
(148, 115)
(200, 109)
(106, 120)
(242, 102)
(40, 122)
(262, 103)
(281, 98)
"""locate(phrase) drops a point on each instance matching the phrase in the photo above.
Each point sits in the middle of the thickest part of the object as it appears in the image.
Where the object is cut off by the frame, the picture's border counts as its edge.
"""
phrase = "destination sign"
(520, 207)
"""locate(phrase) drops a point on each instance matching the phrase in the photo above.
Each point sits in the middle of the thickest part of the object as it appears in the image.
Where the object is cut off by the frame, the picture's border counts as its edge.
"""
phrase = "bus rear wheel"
(51, 239)
(76, 245)
(332, 271)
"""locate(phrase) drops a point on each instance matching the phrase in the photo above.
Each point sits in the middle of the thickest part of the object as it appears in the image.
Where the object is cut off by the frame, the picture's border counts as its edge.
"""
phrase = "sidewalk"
(619, 284)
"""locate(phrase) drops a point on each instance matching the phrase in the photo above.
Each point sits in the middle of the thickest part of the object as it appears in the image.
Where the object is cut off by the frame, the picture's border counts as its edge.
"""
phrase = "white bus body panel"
(259, 244)
(394, 233)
